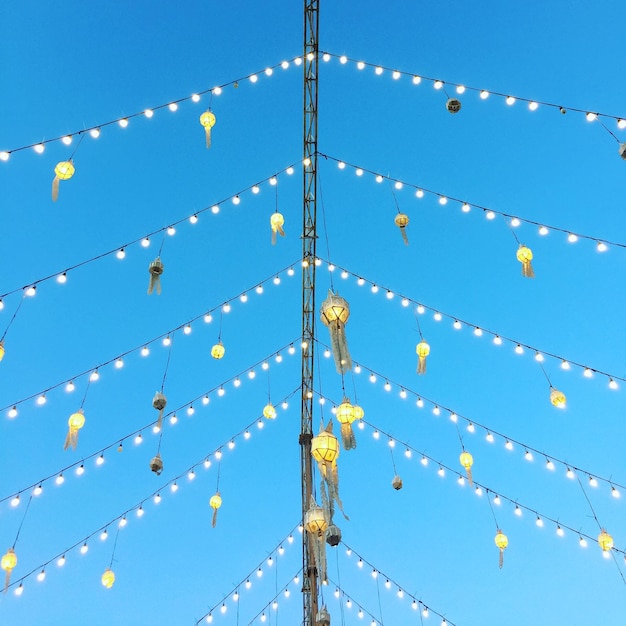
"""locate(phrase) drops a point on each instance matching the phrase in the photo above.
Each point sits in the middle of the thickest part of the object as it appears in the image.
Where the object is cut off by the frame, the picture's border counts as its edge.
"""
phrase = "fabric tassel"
(348, 440)
(527, 270)
(55, 189)
(207, 132)
(339, 347)
(421, 365)
(214, 520)
(501, 560)
(404, 236)
(7, 580)
(156, 269)
(319, 552)
(71, 439)
(469, 476)
(273, 237)
(160, 420)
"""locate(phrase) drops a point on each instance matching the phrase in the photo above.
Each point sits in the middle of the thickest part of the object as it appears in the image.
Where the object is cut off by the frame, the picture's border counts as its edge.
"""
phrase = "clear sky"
(77, 66)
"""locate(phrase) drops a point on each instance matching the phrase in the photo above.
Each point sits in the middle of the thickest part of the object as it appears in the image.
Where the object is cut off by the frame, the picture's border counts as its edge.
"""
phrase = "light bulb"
(484, 94)
(174, 487)
(12, 412)
(424, 461)
(80, 470)
(59, 479)
(443, 200)
(419, 193)
(41, 576)
(94, 376)
(519, 349)
(478, 332)
(39, 148)
(95, 133)
(140, 511)
(533, 105)
(591, 117)
(100, 460)
(119, 363)
(15, 501)
(572, 238)
(601, 246)
(508, 445)
(123, 122)
(587, 373)
(61, 561)
(37, 491)
(62, 278)
(559, 531)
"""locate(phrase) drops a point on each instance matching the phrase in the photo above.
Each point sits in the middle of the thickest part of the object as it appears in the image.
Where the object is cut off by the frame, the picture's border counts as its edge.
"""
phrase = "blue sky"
(64, 71)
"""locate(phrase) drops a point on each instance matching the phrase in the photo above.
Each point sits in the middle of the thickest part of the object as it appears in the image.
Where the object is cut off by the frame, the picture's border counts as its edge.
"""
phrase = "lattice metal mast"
(309, 238)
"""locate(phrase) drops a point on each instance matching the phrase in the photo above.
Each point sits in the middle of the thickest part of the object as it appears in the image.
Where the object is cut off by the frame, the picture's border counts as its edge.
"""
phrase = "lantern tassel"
(7, 580)
(214, 520)
(319, 551)
(339, 346)
(421, 365)
(527, 269)
(71, 439)
(501, 561)
(348, 439)
(207, 131)
(469, 476)
(273, 237)
(155, 284)
(55, 189)
(160, 420)
(404, 235)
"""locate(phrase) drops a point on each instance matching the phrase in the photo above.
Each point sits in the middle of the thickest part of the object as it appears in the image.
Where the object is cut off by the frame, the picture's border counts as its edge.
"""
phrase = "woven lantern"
(346, 414)
(8, 563)
(467, 460)
(502, 541)
(215, 503)
(108, 578)
(333, 535)
(323, 617)
(325, 450)
(605, 541)
(269, 411)
(316, 523)
(396, 483)
(75, 422)
(218, 350)
(422, 350)
(557, 398)
(335, 312)
(156, 464)
(453, 105)
(155, 269)
(207, 119)
(159, 402)
(525, 256)
(402, 221)
(64, 170)
(276, 223)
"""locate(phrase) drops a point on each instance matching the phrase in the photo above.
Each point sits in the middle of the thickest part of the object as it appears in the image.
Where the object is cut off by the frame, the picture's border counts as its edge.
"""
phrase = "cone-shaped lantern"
(335, 312)
(346, 414)
(155, 269)
(8, 563)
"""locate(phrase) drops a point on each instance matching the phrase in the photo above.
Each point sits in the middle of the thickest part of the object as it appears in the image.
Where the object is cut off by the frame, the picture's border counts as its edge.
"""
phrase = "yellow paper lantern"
(8, 563)
(108, 578)
(325, 447)
(64, 170)
(75, 422)
(218, 350)
(269, 412)
(402, 221)
(467, 460)
(276, 222)
(605, 541)
(316, 520)
(215, 503)
(525, 256)
(422, 350)
(502, 541)
(557, 398)
(207, 119)
(346, 414)
(335, 312)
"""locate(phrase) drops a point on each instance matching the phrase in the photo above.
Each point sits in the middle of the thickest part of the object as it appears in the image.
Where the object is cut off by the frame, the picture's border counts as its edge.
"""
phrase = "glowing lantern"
(8, 563)
(605, 541)
(316, 523)
(269, 412)
(1, 350)
(215, 503)
(396, 483)
(525, 256)
(218, 350)
(323, 617)
(159, 402)
(346, 414)
(75, 422)
(422, 350)
(64, 170)
(557, 398)
(502, 541)
(453, 105)
(207, 119)
(276, 222)
(155, 269)
(108, 578)
(467, 460)
(156, 464)
(325, 450)
(402, 221)
(335, 313)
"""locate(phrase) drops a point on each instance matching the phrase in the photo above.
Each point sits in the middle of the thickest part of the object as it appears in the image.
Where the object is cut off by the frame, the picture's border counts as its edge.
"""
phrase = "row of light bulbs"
(460, 89)
(143, 349)
(458, 323)
(472, 426)
(513, 221)
(122, 520)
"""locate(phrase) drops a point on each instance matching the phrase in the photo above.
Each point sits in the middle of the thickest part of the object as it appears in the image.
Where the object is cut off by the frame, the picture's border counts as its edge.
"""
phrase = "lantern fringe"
(277, 229)
(155, 284)
(55, 189)
(339, 347)
(469, 476)
(421, 365)
(527, 269)
(348, 440)
(319, 552)
(207, 131)
(7, 580)
(71, 439)
(160, 420)
(501, 561)
(404, 235)
(214, 520)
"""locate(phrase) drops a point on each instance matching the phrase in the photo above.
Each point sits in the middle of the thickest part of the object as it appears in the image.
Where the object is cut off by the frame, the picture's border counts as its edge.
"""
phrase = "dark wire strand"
(19, 530)
(325, 227)
(167, 363)
(6, 330)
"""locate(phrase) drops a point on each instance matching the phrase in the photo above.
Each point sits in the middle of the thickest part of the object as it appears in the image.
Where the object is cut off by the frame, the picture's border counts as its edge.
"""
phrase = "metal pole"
(309, 238)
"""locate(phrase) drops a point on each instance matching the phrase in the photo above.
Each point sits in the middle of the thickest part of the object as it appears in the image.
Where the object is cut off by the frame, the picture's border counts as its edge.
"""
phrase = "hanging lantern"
(325, 450)
(467, 460)
(402, 221)
(453, 105)
(156, 269)
(422, 350)
(8, 563)
(64, 170)
(605, 541)
(525, 256)
(557, 398)
(218, 350)
(159, 402)
(502, 541)
(75, 422)
(108, 578)
(1, 350)
(346, 414)
(276, 222)
(156, 464)
(269, 412)
(335, 312)
(316, 523)
(333, 535)
(215, 503)
(622, 150)
(207, 119)
(323, 617)
(396, 483)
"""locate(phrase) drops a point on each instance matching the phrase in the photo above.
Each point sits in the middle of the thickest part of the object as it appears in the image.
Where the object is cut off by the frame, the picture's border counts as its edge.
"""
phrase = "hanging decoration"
(453, 105)
(622, 150)
(64, 170)
(159, 402)
(1, 350)
(215, 503)
(269, 411)
(333, 535)
(502, 541)
(396, 483)
(402, 221)
(316, 523)
(335, 312)
(207, 119)
(467, 460)
(557, 398)
(323, 617)
(75, 422)
(525, 256)
(218, 350)
(155, 269)
(422, 350)
(8, 563)
(325, 450)
(346, 414)
(156, 464)
(276, 223)
(108, 578)
(605, 541)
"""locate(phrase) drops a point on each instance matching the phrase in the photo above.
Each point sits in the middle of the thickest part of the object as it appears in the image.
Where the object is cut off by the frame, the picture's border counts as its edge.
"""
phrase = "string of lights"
(571, 469)
(61, 276)
(36, 488)
(460, 89)
(457, 323)
(144, 348)
(389, 583)
(122, 518)
(172, 105)
(340, 593)
(512, 221)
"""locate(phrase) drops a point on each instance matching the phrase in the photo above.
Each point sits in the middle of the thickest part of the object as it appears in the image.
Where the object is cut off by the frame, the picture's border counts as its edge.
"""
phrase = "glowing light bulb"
(61, 561)
(39, 148)
(519, 349)
(587, 373)
(15, 501)
(120, 254)
(533, 105)
(539, 522)
(145, 242)
(37, 491)
(460, 89)
(12, 412)
(601, 246)
(484, 94)
(140, 511)
(95, 133)
(424, 461)
(123, 122)
(497, 340)
(489, 438)
(100, 460)
(508, 445)
(591, 117)
(572, 238)
(478, 332)
(510, 100)
(59, 480)
(559, 531)
(438, 84)
(80, 470)
(119, 363)
(41, 576)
